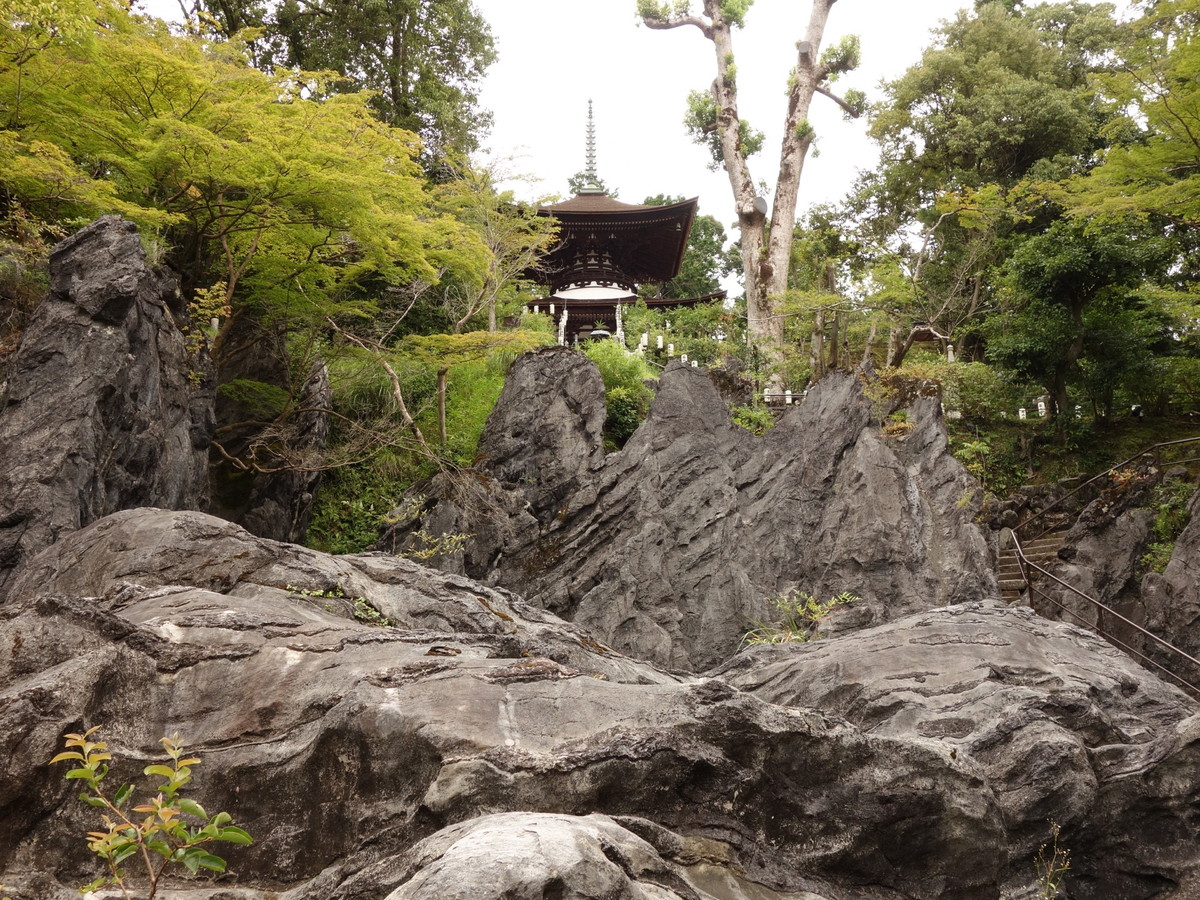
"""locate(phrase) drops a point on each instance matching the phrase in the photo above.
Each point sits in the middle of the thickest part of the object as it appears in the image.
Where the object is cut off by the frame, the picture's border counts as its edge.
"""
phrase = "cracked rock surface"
(917, 759)
(668, 549)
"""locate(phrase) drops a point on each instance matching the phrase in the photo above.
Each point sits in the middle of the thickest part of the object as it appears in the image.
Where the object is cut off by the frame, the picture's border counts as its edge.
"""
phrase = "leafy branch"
(166, 831)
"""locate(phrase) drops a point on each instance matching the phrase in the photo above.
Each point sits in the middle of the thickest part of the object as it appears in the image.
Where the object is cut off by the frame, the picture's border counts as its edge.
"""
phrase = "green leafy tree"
(998, 107)
(766, 253)
(511, 237)
(1154, 165)
(425, 59)
(286, 206)
(1059, 279)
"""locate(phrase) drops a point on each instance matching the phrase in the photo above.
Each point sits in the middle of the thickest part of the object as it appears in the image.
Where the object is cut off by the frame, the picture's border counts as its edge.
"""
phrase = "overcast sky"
(556, 54)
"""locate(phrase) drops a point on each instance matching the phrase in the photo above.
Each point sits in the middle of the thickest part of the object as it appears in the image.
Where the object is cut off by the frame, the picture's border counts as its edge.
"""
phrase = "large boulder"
(101, 410)
(1063, 728)
(669, 549)
(339, 743)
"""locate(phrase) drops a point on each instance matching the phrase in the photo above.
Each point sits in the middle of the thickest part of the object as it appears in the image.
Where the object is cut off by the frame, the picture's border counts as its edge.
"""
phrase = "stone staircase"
(1041, 551)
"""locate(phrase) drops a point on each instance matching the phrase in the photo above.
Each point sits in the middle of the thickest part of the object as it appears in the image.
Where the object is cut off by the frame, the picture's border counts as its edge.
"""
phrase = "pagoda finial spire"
(591, 181)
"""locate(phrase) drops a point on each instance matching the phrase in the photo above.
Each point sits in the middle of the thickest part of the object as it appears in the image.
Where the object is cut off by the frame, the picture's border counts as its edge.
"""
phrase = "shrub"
(1171, 517)
(176, 829)
(800, 613)
(756, 419)
(627, 398)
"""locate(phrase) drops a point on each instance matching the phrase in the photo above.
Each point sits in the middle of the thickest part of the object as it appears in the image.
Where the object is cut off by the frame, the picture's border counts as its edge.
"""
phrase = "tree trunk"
(869, 349)
(765, 258)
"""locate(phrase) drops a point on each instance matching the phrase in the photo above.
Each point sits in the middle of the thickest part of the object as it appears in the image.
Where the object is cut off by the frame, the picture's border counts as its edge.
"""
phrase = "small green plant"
(626, 396)
(897, 424)
(799, 615)
(1052, 864)
(360, 607)
(174, 829)
(756, 419)
(1171, 517)
(364, 611)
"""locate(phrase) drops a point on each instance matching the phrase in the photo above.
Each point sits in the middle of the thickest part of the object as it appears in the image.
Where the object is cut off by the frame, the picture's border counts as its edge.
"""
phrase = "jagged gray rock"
(1102, 556)
(101, 410)
(668, 548)
(1172, 600)
(370, 761)
(279, 446)
(281, 503)
(1061, 726)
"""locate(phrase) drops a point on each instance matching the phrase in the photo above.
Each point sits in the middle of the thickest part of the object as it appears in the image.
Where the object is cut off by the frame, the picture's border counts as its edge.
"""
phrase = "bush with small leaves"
(167, 828)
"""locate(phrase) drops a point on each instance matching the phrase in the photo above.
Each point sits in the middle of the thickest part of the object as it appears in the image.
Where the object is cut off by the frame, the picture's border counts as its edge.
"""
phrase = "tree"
(1058, 279)
(513, 237)
(765, 252)
(1000, 106)
(290, 211)
(424, 58)
(1154, 166)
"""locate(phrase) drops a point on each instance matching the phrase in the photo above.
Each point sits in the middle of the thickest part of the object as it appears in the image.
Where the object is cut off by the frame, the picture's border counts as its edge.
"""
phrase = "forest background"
(310, 171)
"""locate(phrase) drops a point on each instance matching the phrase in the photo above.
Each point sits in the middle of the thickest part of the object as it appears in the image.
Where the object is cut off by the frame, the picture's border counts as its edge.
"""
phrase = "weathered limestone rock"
(380, 762)
(1061, 726)
(281, 503)
(668, 548)
(1102, 557)
(100, 411)
(325, 735)
(528, 856)
(1172, 600)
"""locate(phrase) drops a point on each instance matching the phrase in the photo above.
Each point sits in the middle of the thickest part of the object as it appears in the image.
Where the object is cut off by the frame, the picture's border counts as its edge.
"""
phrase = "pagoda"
(605, 249)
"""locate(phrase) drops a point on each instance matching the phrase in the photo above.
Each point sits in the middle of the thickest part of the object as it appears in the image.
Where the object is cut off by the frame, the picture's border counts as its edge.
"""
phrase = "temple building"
(605, 249)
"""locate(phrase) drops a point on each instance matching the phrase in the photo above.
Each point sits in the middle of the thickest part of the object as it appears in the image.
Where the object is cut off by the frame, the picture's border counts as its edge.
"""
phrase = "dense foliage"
(307, 220)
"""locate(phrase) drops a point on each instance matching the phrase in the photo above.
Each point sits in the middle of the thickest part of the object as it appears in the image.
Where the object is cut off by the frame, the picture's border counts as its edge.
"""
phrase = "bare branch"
(397, 393)
(853, 111)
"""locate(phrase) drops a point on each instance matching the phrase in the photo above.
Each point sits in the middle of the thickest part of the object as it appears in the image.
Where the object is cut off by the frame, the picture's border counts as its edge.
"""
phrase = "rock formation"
(1102, 556)
(99, 413)
(481, 747)
(667, 549)
(387, 731)
(1172, 599)
(1062, 726)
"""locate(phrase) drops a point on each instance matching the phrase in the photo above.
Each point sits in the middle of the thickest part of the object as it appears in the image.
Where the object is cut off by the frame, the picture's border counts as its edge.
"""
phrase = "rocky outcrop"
(479, 746)
(1061, 726)
(101, 411)
(1103, 557)
(668, 548)
(1172, 599)
(281, 502)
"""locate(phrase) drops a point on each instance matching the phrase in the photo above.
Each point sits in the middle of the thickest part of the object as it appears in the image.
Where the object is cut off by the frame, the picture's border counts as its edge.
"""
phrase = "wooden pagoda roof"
(605, 241)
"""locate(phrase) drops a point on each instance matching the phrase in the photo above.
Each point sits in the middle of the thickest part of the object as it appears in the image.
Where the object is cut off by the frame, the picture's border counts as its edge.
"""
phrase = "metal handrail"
(1153, 448)
(1026, 564)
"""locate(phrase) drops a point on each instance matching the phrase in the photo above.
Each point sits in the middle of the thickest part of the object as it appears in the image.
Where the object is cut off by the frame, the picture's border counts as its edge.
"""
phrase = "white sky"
(556, 54)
